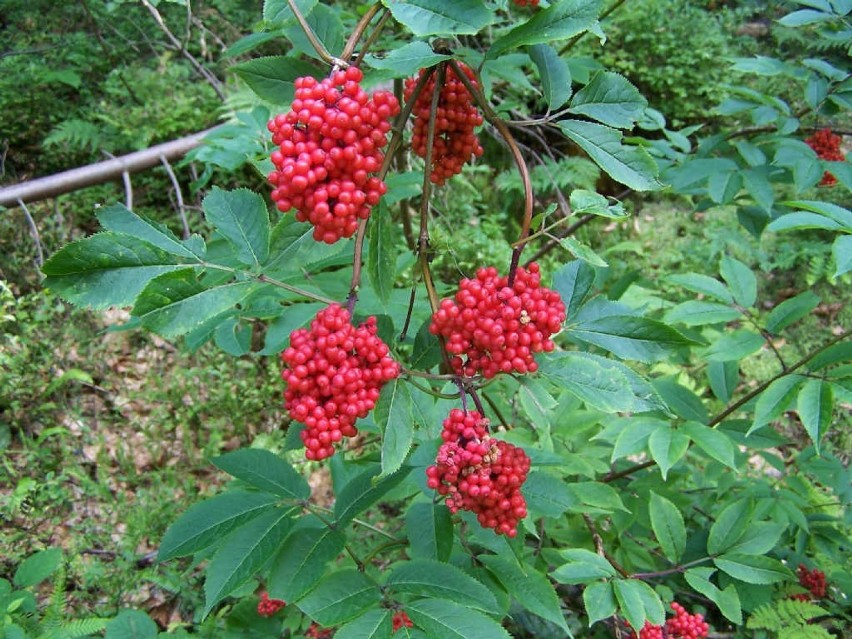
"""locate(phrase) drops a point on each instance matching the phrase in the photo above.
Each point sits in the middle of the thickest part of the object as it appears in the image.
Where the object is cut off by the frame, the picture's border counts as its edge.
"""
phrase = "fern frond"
(79, 628)
(784, 615)
(76, 134)
(55, 610)
(812, 631)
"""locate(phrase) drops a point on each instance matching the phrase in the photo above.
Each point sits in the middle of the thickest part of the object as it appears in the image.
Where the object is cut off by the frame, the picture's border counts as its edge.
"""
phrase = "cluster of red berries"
(317, 632)
(682, 626)
(328, 145)
(400, 619)
(491, 327)
(813, 580)
(456, 118)
(334, 373)
(480, 474)
(827, 147)
(267, 607)
(526, 3)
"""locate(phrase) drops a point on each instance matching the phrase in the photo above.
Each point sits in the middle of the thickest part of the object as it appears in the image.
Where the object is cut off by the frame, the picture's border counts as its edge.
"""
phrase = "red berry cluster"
(827, 147)
(267, 607)
(813, 580)
(334, 373)
(400, 619)
(317, 632)
(480, 474)
(328, 145)
(456, 118)
(491, 327)
(526, 3)
(682, 626)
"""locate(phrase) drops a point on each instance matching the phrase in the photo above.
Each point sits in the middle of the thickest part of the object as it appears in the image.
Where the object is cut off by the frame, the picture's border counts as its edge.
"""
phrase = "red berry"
(686, 626)
(526, 3)
(267, 607)
(334, 373)
(490, 327)
(401, 619)
(813, 580)
(456, 118)
(827, 147)
(317, 632)
(328, 143)
(480, 474)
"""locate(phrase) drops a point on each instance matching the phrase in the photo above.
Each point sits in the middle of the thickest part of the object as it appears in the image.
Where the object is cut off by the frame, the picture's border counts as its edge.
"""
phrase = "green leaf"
(430, 531)
(547, 495)
(599, 600)
(723, 378)
(638, 602)
(373, 624)
(582, 251)
(583, 566)
(528, 587)
(264, 470)
(842, 250)
(427, 349)
(393, 414)
(803, 17)
(667, 524)
(733, 346)
(759, 538)
(596, 495)
(777, 398)
(326, 26)
(437, 17)
(589, 202)
(291, 317)
(244, 553)
(276, 11)
(573, 282)
(362, 492)
(815, 405)
(753, 569)
(119, 219)
(803, 221)
(729, 527)
(714, 443)
(381, 260)
(537, 402)
(38, 567)
(610, 98)
(740, 279)
(559, 21)
(339, 597)
(633, 439)
(628, 336)
(839, 214)
(175, 303)
(703, 284)
(554, 73)
(131, 624)
(682, 401)
(301, 562)
(791, 311)
(629, 165)
(449, 620)
(106, 269)
(272, 77)
(728, 599)
(407, 60)
(211, 520)
(234, 337)
(667, 446)
(428, 578)
(241, 217)
(695, 313)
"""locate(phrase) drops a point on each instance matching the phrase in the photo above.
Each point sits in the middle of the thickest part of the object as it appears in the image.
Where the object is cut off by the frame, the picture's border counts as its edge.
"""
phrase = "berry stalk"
(318, 46)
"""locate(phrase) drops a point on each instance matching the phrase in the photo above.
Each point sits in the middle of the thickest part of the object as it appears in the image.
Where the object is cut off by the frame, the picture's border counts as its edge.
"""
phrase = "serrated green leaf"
(723, 378)
(599, 600)
(429, 578)
(740, 279)
(667, 524)
(131, 624)
(714, 443)
(815, 405)
(588, 202)
(272, 77)
(842, 251)
(554, 73)
(791, 311)
(596, 495)
(547, 495)
(430, 531)
(583, 566)
(373, 624)
(758, 539)
(38, 567)
(449, 620)
(777, 398)
(629, 165)
(633, 439)
(436, 17)
(528, 587)
(559, 21)
(728, 599)
(609, 98)
(276, 11)
(628, 336)
(243, 554)
(393, 414)
(339, 597)
(241, 217)
(667, 446)
(264, 470)
(753, 569)
(407, 60)
(703, 284)
(694, 313)
(362, 491)
(211, 520)
(638, 602)
(573, 282)
(682, 401)
(381, 260)
(582, 251)
(733, 346)
(119, 219)
(729, 526)
(326, 26)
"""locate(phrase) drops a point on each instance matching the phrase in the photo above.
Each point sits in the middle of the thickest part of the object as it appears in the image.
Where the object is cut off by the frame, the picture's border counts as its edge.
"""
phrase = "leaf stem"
(371, 39)
(318, 46)
(670, 571)
(362, 25)
(268, 280)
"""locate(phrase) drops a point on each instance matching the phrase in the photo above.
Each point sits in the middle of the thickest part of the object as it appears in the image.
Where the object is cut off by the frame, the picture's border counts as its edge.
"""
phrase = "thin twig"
(317, 45)
(33, 232)
(371, 39)
(125, 178)
(599, 547)
(363, 23)
(178, 196)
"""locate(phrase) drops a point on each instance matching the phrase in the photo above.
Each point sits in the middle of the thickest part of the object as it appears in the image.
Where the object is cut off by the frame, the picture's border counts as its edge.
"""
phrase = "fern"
(55, 610)
(77, 629)
(812, 631)
(789, 618)
(78, 135)
(567, 173)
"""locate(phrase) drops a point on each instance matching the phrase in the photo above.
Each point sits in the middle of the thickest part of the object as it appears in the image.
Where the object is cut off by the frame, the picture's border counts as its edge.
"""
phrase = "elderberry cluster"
(328, 145)
(315, 631)
(491, 327)
(267, 607)
(334, 373)
(526, 3)
(813, 580)
(480, 474)
(400, 619)
(682, 626)
(456, 118)
(827, 147)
